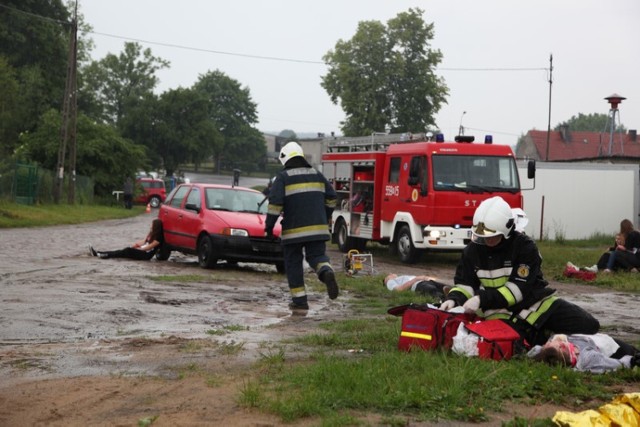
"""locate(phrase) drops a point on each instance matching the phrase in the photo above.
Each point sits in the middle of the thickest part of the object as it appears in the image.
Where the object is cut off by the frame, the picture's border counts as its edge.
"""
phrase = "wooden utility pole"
(69, 114)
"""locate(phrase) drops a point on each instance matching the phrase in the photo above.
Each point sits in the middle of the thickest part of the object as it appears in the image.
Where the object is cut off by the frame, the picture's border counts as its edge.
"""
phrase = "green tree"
(11, 109)
(384, 76)
(102, 153)
(233, 113)
(34, 43)
(595, 122)
(115, 84)
(183, 130)
(288, 135)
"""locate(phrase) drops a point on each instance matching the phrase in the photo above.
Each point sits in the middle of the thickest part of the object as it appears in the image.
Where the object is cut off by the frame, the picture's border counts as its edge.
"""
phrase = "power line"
(303, 61)
(245, 55)
(197, 49)
(493, 131)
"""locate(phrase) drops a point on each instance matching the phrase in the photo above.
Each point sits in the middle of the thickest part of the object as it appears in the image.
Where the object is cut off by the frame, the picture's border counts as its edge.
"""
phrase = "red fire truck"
(415, 194)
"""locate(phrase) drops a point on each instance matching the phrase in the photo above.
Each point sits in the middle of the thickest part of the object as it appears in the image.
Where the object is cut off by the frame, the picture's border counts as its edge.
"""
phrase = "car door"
(171, 216)
(190, 218)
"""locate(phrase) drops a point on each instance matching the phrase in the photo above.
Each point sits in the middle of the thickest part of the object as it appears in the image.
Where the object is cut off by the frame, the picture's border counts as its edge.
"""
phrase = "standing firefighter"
(305, 199)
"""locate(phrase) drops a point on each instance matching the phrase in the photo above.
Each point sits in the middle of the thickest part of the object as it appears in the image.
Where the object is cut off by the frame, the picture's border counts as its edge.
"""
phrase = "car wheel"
(280, 267)
(163, 254)
(206, 253)
(404, 245)
(155, 201)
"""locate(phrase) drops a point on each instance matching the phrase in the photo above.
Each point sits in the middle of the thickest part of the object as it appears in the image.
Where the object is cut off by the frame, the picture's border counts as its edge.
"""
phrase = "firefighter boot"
(329, 278)
(299, 304)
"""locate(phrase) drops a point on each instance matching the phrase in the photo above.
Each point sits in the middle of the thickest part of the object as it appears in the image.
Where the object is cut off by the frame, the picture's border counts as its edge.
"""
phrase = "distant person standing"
(128, 193)
(236, 177)
(305, 199)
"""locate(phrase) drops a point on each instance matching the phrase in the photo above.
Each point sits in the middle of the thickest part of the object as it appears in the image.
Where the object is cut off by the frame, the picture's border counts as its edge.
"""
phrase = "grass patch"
(428, 386)
(16, 215)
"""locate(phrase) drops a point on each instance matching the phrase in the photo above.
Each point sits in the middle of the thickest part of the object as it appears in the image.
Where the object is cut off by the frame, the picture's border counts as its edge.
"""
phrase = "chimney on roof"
(564, 132)
(633, 134)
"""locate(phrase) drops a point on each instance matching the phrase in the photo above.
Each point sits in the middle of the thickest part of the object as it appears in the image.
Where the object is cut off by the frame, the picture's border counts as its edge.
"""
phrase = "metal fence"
(30, 184)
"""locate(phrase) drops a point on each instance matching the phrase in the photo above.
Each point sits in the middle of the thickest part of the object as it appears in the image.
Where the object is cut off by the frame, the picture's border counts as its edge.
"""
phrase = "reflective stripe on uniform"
(301, 171)
(324, 265)
(310, 230)
(530, 315)
(511, 293)
(303, 187)
(533, 313)
(298, 292)
(467, 291)
(494, 278)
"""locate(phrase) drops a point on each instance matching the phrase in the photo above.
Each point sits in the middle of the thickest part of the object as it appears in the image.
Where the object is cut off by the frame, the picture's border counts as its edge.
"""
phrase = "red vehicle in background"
(150, 191)
(218, 222)
(415, 194)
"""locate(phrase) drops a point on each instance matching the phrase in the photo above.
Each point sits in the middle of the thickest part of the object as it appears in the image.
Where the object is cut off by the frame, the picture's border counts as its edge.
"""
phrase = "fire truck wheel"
(342, 236)
(346, 242)
(404, 245)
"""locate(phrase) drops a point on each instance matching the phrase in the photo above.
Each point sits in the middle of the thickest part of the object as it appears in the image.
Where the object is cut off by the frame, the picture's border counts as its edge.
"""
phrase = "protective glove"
(447, 305)
(472, 305)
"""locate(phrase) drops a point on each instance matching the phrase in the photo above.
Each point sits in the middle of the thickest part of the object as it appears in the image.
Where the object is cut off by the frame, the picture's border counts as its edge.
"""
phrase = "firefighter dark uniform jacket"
(507, 278)
(305, 199)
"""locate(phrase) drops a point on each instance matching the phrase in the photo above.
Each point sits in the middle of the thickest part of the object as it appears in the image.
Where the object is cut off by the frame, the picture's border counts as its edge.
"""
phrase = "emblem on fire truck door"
(414, 195)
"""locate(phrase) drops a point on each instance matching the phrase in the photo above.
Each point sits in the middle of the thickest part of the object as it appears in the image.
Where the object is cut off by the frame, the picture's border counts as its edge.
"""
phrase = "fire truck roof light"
(440, 137)
(488, 139)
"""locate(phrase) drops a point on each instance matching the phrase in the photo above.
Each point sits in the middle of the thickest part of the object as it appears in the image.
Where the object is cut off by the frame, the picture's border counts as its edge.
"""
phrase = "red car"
(153, 192)
(218, 222)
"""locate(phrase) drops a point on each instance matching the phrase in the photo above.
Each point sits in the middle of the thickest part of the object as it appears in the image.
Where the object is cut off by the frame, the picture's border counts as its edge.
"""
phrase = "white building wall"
(580, 199)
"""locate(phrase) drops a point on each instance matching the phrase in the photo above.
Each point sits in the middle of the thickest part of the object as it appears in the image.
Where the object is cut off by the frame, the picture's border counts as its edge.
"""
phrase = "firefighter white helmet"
(492, 218)
(290, 150)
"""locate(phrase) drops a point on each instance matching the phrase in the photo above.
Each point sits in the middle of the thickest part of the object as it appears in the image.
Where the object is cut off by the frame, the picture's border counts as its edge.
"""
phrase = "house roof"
(583, 145)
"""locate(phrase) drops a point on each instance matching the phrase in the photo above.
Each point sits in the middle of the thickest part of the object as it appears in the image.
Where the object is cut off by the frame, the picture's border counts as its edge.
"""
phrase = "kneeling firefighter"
(499, 276)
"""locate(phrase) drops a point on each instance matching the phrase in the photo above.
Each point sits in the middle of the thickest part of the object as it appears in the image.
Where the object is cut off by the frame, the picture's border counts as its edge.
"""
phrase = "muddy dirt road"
(85, 341)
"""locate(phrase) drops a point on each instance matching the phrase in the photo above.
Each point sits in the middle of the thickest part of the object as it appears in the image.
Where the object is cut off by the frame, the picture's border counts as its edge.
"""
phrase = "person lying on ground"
(141, 250)
(426, 285)
(596, 353)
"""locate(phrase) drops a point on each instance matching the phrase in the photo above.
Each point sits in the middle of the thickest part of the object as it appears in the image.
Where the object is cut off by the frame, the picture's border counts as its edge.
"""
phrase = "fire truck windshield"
(475, 173)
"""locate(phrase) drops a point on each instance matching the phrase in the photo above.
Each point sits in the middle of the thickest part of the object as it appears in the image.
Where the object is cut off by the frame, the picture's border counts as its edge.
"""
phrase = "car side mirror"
(192, 207)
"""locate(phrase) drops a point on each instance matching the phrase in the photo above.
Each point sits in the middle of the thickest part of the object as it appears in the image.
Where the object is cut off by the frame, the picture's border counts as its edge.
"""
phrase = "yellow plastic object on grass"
(624, 410)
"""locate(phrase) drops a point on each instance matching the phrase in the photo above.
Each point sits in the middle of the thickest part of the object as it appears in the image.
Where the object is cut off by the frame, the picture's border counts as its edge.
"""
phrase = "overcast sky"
(595, 47)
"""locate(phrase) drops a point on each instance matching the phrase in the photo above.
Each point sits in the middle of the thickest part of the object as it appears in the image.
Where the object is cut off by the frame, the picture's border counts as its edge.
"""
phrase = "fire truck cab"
(416, 195)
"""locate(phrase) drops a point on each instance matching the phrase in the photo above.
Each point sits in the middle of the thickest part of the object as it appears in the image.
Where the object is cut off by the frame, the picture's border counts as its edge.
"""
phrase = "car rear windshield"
(235, 200)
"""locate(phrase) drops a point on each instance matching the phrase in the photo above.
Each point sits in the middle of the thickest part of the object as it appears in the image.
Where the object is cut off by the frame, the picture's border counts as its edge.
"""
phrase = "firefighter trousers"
(294, 254)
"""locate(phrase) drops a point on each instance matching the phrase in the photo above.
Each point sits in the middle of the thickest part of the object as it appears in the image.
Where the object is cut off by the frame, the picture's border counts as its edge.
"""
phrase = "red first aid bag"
(497, 340)
(428, 328)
